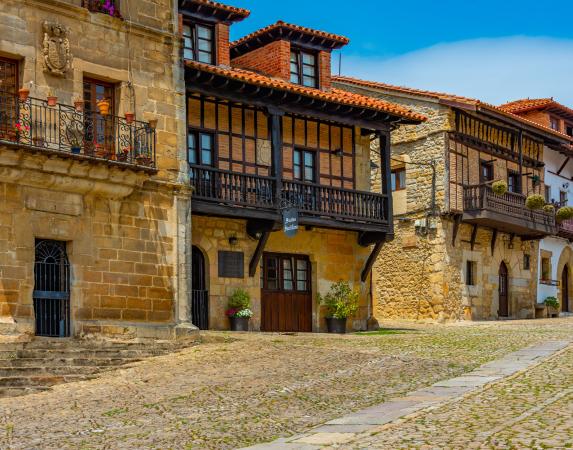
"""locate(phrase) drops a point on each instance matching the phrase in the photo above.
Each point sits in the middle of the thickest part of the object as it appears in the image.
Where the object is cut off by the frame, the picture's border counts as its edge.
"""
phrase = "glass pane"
(308, 70)
(192, 149)
(272, 273)
(297, 172)
(296, 157)
(307, 58)
(205, 45)
(294, 78)
(206, 141)
(402, 177)
(301, 275)
(287, 275)
(186, 31)
(206, 157)
(293, 68)
(393, 180)
(308, 174)
(308, 81)
(188, 53)
(204, 32)
(308, 159)
(204, 57)
(293, 58)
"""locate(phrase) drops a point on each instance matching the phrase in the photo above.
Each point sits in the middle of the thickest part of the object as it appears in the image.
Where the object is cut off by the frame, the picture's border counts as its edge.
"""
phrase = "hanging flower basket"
(549, 209)
(499, 187)
(535, 201)
(129, 117)
(103, 107)
(564, 213)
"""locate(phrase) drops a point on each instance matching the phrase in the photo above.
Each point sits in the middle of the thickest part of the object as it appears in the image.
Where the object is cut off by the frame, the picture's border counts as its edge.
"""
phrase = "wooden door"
(8, 96)
(99, 133)
(503, 291)
(565, 289)
(286, 297)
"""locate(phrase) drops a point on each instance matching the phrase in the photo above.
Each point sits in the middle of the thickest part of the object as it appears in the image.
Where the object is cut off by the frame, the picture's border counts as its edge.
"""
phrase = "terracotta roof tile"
(524, 105)
(339, 96)
(446, 97)
(239, 11)
(280, 24)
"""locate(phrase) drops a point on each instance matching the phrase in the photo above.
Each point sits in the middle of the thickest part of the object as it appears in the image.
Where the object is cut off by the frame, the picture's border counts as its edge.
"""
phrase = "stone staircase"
(37, 365)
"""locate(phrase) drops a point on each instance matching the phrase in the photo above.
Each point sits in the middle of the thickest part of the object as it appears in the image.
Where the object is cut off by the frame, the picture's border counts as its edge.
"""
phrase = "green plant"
(564, 213)
(552, 302)
(239, 304)
(341, 301)
(535, 201)
(499, 187)
(549, 208)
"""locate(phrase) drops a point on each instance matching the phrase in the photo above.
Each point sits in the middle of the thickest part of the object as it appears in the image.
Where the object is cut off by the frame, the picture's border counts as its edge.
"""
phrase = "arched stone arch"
(199, 288)
(565, 262)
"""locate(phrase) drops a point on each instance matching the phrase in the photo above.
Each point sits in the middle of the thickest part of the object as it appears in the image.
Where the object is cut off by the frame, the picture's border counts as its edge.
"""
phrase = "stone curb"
(376, 418)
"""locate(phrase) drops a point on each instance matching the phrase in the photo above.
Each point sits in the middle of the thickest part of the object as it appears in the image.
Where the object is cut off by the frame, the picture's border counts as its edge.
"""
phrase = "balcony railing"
(65, 129)
(238, 189)
(507, 210)
(565, 229)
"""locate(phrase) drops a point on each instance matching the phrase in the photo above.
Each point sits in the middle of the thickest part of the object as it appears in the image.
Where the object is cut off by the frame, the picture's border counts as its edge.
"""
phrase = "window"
(198, 43)
(526, 261)
(98, 130)
(569, 129)
(200, 148)
(547, 193)
(513, 184)
(303, 68)
(563, 198)
(8, 76)
(545, 269)
(286, 273)
(486, 171)
(8, 89)
(304, 165)
(398, 179)
(471, 273)
(554, 123)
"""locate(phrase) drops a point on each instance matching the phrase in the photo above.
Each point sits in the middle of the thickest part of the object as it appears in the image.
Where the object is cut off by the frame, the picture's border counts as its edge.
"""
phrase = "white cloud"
(493, 70)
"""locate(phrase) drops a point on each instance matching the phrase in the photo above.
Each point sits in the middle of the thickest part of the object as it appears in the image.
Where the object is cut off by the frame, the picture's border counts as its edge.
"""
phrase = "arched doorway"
(565, 288)
(503, 291)
(199, 292)
(51, 289)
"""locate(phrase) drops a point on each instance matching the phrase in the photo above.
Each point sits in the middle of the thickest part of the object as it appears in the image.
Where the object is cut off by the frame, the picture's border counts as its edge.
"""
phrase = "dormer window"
(303, 68)
(198, 43)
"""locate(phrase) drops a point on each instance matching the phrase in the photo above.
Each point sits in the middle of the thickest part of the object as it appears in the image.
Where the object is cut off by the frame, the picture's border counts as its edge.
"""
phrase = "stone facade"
(126, 230)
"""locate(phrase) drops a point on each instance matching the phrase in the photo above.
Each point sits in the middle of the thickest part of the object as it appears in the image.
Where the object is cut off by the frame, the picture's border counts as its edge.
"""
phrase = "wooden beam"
(493, 239)
(473, 237)
(563, 166)
(366, 238)
(386, 170)
(277, 152)
(258, 253)
(370, 261)
(457, 223)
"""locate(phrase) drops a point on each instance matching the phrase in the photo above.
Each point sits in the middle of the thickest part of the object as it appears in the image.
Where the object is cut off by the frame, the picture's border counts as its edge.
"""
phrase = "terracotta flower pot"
(129, 117)
(52, 100)
(79, 105)
(24, 94)
(153, 124)
(103, 107)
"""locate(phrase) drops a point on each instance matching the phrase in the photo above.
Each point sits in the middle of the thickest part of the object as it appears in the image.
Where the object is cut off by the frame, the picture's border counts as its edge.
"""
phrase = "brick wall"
(223, 53)
(324, 66)
(273, 59)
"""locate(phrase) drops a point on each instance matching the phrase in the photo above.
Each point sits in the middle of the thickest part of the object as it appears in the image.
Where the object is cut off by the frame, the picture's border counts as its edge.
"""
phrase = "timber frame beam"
(370, 261)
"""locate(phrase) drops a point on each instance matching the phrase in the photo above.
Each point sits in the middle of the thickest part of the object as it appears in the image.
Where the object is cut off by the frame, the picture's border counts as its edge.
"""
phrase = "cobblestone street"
(241, 389)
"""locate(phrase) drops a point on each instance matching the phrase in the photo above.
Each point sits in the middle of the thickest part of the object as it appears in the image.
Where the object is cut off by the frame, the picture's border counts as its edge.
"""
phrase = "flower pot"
(336, 325)
(103, 107)
(129, 117)
(38, 141)
(52, 100)
(122, 156)
(79, 105)
(239, 323)
(143, 160)
(153, 124)
(24, 94)
(76, 150)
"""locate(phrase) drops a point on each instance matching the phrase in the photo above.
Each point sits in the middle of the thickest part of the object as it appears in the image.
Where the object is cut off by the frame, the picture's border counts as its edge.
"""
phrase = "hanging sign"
(290, 221)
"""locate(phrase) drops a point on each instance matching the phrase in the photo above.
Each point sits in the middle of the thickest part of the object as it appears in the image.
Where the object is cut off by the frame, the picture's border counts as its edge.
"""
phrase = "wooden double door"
(286, 297)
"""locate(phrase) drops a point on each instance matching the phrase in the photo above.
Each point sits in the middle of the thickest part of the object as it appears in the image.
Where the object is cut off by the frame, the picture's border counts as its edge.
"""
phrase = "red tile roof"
(341, 40)
(338, 96)
(524, 105)
(239, 11)
(446, 97)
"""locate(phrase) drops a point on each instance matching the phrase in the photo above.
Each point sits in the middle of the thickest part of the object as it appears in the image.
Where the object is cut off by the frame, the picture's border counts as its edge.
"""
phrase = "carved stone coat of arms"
(56, 49)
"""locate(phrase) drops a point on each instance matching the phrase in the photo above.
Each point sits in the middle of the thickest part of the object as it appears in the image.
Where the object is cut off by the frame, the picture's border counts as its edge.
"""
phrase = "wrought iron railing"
(482, 197)
(565, 229)
(200, 309)
(62, 128)
(257, 191)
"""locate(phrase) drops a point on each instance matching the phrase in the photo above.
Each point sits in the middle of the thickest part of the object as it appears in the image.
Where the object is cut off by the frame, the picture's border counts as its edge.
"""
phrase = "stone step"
(19, 391)
(100, 345)
(49, 371)
(41, 380)
(76, 362)
(85, 353)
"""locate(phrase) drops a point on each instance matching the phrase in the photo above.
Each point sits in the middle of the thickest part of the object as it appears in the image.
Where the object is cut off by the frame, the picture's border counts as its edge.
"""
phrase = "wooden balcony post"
(276, 145)
(386, 184)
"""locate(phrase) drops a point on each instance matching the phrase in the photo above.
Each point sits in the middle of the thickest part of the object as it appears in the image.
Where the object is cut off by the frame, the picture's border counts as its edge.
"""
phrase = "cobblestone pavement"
(256, 387)
(533, 409)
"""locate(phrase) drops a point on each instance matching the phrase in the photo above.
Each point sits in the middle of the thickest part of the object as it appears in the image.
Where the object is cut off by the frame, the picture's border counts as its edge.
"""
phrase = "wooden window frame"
(193, 25)
(556, 121)
(93, 102)
(526, 261)
(547, 192)
(471, 272)
(515, 175)
(397, 185)
(280, 257)
(16, 65)
(486, 165)
(198, 133)
(569, 129)
(300, 65)
(563, 198)
(545, 275)
(302, 152)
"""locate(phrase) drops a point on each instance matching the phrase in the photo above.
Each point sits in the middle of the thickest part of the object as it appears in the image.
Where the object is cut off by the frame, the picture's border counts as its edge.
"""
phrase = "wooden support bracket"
(473, 238)
(253, 264)
(371, 260)
(493, 239)
(457, 223)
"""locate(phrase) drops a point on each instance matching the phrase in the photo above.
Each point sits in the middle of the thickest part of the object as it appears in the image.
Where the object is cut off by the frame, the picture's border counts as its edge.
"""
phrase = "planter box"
(336, 325)
(239, 323)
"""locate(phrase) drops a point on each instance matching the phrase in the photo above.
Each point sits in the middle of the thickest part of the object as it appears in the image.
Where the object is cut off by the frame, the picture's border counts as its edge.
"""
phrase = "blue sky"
(494, 50)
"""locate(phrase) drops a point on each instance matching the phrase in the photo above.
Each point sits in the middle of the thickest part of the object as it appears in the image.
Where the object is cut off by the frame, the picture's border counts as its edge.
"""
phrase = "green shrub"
(549, 208)
(499, 187)
(564, 213)
(240, 299)
(341, 301)
(535, 201)
(552, 302)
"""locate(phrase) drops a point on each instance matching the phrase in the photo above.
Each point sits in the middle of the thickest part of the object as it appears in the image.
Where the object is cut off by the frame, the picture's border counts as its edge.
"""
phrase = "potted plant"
(239, 310)
(103, 106)
(499, 187)
(564, 213)
(123, 155)
(143, 160)
(76, 145)
(79, 105)
(341, 302)
(19, 128)
(549, 209)
(552, 305)
(52, 99)
(23, 94)
(129, 117)
(535, 201)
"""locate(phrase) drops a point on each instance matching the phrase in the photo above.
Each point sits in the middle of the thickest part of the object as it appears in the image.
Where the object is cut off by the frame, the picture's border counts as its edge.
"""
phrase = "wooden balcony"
(225, 193)
(506, 213)
(565, 229)
(71, 132)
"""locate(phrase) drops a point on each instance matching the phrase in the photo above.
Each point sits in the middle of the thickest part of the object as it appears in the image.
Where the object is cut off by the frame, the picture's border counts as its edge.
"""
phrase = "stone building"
(267, 133)
(460, 250)
(555, 252)
(94, 202)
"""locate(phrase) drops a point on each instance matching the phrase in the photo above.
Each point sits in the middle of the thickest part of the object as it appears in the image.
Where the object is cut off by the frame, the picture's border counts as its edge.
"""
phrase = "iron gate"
(199, 292)
(51, 289)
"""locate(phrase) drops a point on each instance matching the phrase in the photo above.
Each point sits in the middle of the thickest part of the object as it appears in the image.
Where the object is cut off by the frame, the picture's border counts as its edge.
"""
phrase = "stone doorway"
(503, 291)
(199, 291)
